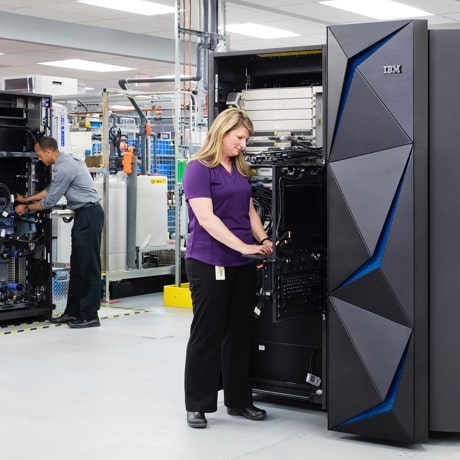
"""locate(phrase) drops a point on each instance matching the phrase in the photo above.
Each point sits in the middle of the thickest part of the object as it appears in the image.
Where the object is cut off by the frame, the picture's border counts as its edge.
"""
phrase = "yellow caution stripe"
(120, 315)
(29, 329)
(49, 325)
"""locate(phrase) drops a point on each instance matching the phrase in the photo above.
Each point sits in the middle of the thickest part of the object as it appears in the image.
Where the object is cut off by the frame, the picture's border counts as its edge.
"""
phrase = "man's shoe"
(63, 319)
(196, 420)
(250, 412)
(81, 323)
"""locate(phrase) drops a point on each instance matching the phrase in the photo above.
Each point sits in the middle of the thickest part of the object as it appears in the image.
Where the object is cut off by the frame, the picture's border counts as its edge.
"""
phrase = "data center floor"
(116, 393)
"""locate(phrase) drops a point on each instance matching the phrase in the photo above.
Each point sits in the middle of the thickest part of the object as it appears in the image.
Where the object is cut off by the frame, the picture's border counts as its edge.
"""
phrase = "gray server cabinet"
(444, 230)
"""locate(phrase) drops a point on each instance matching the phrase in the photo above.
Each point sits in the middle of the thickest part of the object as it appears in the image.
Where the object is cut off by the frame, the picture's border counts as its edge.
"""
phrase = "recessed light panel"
(378, 9)
(258, 31)
(92, 66)
(131, 6)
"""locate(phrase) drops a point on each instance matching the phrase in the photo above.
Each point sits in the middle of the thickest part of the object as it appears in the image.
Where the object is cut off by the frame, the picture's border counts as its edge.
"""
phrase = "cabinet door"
(377, 156)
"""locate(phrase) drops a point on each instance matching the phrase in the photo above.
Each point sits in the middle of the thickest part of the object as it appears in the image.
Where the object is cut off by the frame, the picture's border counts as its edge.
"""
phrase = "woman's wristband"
(265, 239)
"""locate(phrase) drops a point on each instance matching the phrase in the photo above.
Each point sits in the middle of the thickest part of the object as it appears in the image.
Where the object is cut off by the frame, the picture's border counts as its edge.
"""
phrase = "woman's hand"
(264, 249)
(268, 243)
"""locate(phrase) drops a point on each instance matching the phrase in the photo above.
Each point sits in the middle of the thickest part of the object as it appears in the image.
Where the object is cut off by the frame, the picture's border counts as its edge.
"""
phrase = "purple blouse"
(230, 194)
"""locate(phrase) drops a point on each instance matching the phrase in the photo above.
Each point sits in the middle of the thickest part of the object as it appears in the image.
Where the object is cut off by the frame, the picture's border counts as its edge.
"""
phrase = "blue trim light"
(386, 405)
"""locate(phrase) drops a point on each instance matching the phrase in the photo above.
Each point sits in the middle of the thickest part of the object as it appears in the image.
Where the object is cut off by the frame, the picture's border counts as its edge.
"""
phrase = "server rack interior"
(288, 330)
(25, 241)
(282, 93)
(298, 237)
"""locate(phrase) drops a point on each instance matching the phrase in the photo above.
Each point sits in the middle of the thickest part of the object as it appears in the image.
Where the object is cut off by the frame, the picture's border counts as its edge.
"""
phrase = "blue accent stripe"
(352, 65)
(385, 406)
(376, 259)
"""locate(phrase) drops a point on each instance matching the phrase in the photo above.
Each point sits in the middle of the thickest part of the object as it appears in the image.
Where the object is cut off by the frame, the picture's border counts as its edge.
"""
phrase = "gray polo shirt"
(72, 179)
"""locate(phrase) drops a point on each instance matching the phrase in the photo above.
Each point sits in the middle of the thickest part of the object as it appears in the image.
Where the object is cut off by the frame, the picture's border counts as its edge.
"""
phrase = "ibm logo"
(392, 69)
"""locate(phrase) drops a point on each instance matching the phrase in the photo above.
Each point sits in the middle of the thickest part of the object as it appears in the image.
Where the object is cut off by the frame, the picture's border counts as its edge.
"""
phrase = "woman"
(223, 227)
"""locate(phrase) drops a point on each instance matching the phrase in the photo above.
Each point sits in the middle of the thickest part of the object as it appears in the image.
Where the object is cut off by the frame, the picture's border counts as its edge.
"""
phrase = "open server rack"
(25, 241)
(282, 93)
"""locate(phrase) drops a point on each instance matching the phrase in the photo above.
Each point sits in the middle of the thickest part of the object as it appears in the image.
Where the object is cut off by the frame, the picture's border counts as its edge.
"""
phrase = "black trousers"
(219, 347)
(84, 297)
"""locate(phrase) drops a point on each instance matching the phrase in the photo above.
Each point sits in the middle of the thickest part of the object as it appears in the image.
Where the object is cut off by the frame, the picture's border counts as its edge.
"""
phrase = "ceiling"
(36, 31)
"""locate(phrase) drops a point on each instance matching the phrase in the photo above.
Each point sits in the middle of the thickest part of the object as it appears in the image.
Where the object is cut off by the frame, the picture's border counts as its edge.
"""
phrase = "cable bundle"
(262, 199)
(294, 154)
(5, 197)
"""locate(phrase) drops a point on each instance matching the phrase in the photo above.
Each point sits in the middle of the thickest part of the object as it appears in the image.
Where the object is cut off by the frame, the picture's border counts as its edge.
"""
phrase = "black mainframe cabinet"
(377, 215)
(391, 154)
(25, 241)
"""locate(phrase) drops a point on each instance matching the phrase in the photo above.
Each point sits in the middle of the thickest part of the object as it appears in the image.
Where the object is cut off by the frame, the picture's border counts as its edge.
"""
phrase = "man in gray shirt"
(71, 178)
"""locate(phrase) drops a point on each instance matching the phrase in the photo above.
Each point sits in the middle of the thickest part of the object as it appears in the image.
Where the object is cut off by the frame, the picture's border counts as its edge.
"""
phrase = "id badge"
(220, 273)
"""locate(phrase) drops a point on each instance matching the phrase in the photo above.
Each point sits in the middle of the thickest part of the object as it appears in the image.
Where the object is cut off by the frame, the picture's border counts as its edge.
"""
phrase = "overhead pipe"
(123, 83)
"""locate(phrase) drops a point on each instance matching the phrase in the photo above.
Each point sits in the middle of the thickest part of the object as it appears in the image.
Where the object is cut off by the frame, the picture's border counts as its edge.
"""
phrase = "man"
(72, 179)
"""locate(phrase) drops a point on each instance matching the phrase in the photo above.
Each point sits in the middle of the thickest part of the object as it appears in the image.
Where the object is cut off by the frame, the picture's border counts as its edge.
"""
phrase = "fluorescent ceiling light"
(80, 64)
(378, 9)
(258, 31)
(131, 6)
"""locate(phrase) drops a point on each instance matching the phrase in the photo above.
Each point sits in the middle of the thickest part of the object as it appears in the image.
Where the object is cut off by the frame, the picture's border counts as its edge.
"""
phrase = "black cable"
(32, 135)
(280, 204)
(115, 138)
(280, 156)
(262, 199)
(260, 291)
(29, 242)
(7, 195)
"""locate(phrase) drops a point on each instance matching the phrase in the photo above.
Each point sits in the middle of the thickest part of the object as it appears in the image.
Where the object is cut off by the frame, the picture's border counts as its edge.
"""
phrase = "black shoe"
(63, 319)
(196, 420)
(81, 323)
(251, 412)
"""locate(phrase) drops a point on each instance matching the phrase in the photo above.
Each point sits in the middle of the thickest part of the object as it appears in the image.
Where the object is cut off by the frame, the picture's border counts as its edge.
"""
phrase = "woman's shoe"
(196, 420)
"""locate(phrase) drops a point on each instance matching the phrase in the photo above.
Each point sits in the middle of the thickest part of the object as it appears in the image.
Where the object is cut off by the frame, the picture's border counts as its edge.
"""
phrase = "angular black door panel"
(377, 157)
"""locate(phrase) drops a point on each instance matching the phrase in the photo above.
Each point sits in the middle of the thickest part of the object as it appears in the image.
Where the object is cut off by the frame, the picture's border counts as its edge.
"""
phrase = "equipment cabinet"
(25, 241)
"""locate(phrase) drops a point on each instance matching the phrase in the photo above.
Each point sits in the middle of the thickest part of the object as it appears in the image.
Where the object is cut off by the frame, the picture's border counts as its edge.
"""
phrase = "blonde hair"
(211, 153)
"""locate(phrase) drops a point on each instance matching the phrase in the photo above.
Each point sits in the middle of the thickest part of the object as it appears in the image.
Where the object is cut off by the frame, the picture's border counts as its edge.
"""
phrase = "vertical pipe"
(144, 156)
(178, 144)
(131, 215)
(105, 188)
